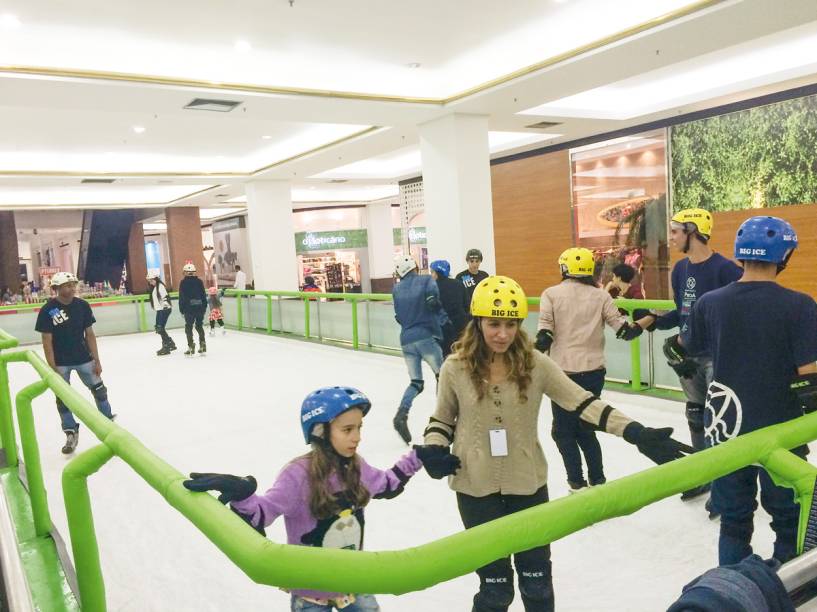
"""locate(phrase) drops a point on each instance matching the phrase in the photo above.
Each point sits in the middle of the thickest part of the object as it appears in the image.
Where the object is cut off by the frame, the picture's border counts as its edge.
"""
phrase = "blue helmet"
(765, 239)
(441, 267)
(327, 403)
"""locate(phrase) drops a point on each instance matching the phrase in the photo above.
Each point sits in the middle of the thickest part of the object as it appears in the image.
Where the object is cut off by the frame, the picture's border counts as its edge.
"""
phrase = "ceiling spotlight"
(138, 129)
(413, 65)
(243, 46)
(266, 137)
(7, 20)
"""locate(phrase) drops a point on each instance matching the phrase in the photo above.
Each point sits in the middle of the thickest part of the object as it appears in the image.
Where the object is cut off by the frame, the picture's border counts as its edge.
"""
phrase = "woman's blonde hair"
(472, 348)
(323, 463)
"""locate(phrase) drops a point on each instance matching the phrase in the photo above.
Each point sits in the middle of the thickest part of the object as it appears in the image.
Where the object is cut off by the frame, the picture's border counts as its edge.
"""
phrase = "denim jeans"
(735, 496)
(415, 353)
(363, 603)
(161, 321)
(90, 380)
(695, 389)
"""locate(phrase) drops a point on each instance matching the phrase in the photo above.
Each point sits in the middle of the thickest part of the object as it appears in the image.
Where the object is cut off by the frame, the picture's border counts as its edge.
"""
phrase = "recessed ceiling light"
(7, 20)
(243, 46)
(413, 64)
(138, 129)
(266, 137)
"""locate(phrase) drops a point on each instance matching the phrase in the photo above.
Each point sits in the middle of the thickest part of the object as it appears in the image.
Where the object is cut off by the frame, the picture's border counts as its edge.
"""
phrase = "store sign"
(228, 224)
(330, 241)
(417, 235)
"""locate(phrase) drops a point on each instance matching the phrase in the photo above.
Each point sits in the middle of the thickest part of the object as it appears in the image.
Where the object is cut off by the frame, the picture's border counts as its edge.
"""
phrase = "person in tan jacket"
(488, 402)
(572, 316)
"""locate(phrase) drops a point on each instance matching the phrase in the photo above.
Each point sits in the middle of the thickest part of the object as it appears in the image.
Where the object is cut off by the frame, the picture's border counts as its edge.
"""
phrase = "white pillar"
(272, 235)
(457, 189)
(381, 243)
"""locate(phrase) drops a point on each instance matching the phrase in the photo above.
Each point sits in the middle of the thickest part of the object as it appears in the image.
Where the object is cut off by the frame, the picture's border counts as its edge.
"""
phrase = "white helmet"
(189, 268)
(152, 276)
(61, 278)
(403, 265)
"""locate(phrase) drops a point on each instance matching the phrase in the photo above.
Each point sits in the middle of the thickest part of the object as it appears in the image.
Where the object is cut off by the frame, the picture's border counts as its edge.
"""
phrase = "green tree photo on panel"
(757, 158)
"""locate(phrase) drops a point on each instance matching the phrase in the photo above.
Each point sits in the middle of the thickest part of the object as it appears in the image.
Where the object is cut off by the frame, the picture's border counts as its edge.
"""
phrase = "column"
(457, 189)
(272, 235)
(9, 255)
(380, 236)
(184, 241)
(137, 263)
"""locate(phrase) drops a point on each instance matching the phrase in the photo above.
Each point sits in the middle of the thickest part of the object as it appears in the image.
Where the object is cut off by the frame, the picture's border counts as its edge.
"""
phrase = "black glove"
(655, 444)
(437, 460)
(232, 488)
(221, 292)
(678, 359)
(805, 387)
(629, 331)
(544, 338)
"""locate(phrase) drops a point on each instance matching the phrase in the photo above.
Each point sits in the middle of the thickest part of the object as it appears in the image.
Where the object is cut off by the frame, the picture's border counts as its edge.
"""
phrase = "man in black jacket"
(455, 303)
(472, 275)
(193, 304)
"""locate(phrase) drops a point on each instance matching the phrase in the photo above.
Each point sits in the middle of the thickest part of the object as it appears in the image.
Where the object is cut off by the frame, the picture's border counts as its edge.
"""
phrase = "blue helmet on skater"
(327, 403)
(441, 267)
(764, 238)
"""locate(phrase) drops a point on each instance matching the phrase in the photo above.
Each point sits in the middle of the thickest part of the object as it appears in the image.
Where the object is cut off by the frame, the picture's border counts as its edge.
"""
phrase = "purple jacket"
(289, 497)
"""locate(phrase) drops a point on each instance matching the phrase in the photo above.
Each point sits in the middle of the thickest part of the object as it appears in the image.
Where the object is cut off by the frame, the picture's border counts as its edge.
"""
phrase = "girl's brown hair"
(472, 349)
(323, 462)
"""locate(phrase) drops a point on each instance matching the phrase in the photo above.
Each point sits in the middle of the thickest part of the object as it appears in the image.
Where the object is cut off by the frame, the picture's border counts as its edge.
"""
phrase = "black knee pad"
(494, 594)
(419, 385)
(100, 392)
(159, 329)
(695, 416)
(536, 586)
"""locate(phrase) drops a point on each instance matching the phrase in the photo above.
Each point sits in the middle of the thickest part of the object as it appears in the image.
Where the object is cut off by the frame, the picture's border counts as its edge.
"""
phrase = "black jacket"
(455, 302)
(192, 296)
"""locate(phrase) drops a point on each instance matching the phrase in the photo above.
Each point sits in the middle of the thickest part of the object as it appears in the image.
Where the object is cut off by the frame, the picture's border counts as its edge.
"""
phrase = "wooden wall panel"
(801, 273)
(532, 218)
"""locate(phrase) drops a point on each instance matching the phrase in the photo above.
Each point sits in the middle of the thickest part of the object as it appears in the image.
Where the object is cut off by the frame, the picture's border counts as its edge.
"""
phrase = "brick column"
(184, 241)
(137, 263)
(9, 255)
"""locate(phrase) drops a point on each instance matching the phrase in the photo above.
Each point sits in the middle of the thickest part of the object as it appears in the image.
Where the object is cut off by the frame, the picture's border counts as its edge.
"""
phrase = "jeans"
(735, 496)
(161, 321)
(415, 353)
(194, 316)
(571, 434)
(695, 389)
(533, 568)
(363, 603)
(90, 380)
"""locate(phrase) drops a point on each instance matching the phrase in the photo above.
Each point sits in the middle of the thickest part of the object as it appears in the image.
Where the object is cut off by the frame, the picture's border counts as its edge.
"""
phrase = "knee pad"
(159, 328)
(536, 586)
(495, 593)
(100, 392)
(419, 385)
(695, 416)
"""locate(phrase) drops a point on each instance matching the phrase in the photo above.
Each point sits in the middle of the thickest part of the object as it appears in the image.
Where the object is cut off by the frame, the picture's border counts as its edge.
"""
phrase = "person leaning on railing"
(489, 395)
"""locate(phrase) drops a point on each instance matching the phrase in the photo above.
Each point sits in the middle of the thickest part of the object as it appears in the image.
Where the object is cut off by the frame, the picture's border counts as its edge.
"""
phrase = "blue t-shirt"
(758, 334)
(690, 281)
(416, 306)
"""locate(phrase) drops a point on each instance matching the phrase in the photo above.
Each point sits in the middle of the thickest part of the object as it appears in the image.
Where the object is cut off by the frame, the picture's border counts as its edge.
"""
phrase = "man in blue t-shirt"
(701, 271)
(763, 341)
(418, 310)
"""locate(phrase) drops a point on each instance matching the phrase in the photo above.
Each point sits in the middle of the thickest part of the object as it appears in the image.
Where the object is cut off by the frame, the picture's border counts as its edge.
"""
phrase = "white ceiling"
(59, 123)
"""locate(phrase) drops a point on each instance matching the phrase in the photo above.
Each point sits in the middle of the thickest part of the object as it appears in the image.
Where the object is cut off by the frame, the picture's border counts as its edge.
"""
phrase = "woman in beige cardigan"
(489, 394)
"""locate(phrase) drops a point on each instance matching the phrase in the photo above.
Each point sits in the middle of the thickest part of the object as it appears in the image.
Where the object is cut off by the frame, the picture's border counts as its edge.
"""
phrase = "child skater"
(322, 494)
(215, 311)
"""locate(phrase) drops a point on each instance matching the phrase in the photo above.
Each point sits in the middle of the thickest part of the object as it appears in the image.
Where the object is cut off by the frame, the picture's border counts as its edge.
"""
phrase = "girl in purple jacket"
(321, 495)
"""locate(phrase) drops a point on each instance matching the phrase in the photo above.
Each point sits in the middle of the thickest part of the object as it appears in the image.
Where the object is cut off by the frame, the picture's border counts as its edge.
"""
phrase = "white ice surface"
(236, 410)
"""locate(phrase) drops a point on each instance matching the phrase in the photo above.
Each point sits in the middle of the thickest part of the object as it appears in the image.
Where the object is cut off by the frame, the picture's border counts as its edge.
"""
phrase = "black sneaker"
(71, 441)
(575, 487)
(400, 423)
(695, 492)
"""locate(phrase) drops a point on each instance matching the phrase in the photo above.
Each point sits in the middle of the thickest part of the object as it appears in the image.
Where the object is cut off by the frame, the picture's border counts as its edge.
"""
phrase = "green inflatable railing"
(395, 572)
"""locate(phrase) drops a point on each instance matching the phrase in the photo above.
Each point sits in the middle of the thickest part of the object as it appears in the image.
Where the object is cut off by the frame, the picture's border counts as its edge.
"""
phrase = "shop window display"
(619, 207)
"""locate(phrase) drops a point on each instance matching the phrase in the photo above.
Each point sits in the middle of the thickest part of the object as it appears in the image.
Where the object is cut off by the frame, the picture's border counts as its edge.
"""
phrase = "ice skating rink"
(236, 410)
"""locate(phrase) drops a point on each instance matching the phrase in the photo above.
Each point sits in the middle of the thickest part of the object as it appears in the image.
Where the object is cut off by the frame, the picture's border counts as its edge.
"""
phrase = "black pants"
(451, 334)
(213, 323)
(161, 320)
(194, 317)
(532, 566)
(571, 434)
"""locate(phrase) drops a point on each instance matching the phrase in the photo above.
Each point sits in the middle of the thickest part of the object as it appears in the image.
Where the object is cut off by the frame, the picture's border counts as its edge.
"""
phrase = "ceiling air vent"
(97, 181)
(543, 125)
(222, 195)
(336, 181)
(219, 106)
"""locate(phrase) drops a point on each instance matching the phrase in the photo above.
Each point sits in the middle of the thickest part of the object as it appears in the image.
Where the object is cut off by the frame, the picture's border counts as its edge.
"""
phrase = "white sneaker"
(223, 331)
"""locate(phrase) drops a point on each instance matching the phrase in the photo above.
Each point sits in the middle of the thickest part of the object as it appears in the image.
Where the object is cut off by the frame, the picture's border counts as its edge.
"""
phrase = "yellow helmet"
(700, 218)
(499, 297)
(577, 262)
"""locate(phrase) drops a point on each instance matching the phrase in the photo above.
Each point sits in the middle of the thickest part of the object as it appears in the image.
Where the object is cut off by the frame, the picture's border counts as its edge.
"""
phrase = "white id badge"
(499, 442)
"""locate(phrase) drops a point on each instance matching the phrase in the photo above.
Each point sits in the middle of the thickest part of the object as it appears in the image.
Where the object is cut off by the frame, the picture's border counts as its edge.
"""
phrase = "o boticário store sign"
(348, 239)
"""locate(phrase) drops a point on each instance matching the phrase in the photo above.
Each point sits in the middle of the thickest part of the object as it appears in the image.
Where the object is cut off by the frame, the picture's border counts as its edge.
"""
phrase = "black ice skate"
(695, 492)
(400, 423)
(71, 441)
(191, 350)
(165, 350)
(202, 348)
